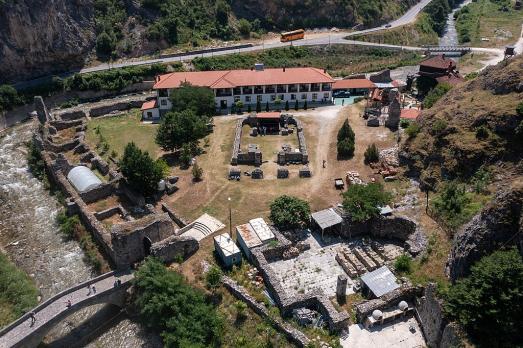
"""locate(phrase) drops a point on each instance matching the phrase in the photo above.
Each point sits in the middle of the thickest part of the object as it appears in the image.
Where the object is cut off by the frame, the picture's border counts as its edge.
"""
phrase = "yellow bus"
(292, 35)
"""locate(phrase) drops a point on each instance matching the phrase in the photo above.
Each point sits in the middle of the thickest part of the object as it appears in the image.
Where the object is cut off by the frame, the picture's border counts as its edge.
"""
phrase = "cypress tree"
(258, 106)
(286, 105)
(296, 105)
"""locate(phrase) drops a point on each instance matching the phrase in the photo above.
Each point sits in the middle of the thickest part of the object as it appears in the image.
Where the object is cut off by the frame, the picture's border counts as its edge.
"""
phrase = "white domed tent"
(83, 179)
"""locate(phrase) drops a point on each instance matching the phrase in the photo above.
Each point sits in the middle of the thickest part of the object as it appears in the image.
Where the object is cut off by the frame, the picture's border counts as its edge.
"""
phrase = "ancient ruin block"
(41, 110)
(341, 287)
(282, 173)
(305, 172)
(393, 119)
(257, 173)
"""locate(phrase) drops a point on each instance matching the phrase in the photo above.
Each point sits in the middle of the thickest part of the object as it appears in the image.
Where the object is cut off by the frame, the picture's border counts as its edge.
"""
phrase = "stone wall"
(128, 239)
(241, 293)
(180, 221)
(117, 106)
(174, 247)
(107, 213)
(391, 299)
(237, 140)
(134, 197)
(98, 193)
(436, 328)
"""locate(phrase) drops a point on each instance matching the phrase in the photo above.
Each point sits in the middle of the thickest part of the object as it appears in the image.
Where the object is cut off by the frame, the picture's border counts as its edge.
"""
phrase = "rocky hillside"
(473, 125)
(42, 37)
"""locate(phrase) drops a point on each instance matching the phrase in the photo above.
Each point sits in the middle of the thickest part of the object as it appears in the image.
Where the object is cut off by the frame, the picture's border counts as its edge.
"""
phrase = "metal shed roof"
(380, 281)
(227, 245)
(248, 235)
(83, 179)
(326, 218)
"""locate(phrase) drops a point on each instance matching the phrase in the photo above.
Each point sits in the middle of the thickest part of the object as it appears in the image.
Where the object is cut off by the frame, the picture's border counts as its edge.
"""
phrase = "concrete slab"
(393, 335)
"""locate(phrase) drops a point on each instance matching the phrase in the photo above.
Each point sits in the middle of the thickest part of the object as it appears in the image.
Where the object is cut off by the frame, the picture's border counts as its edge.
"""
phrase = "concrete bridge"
(24, 333)
(461, 50)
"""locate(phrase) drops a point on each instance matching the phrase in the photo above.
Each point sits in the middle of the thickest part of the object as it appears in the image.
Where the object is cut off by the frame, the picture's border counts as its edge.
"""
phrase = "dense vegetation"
(333, 58)
(182, 314)
(17, 292)
(435, 94)
(288, 212)
(141, 171)
(199, 100)
(346, 141)
(362, 202)
(180, 128)
(489, 302)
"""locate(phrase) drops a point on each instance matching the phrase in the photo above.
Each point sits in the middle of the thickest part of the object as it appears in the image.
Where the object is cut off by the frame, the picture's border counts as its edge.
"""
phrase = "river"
(30, 236)
(450, 35)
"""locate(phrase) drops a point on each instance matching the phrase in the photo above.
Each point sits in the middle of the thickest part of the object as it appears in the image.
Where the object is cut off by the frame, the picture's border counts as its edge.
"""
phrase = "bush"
(404, 123)
(363, 202)
(8, 97)
(180, 312)
(288, 212)
(452, 204)
(258, 106)
(412, 130)
(403, 264)
(105, 44)
(67, 224)
(436, 94)
(489, 302)
(519, 109)
(35, 161)
(296, 105)
(197, 172)
(439, 126)
(244, 27)
(213, 278)
(286, 105)
(372, 154)
(140, 170)
(482, 132)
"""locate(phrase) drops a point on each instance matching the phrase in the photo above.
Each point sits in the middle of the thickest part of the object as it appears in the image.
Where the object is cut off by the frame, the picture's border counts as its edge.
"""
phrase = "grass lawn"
(484, 19)
(122, 129)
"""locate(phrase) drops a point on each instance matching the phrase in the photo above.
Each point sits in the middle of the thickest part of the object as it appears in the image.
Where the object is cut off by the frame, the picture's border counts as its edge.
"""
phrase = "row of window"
(303, 96)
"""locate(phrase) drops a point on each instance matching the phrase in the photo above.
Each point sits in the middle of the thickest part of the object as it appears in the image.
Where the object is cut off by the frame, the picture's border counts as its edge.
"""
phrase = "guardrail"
(206, 50)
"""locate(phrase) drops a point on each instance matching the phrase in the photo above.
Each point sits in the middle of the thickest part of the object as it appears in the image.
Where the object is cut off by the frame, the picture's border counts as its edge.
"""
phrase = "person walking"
(342, 102)
(324, 161)
(68, 304)
(33, 318)
(94, 290)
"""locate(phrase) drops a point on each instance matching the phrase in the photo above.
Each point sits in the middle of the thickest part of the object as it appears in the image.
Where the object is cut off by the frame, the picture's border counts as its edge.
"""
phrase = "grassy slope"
(17, 292)
(481, 19)
(339, 60)
(416, 34)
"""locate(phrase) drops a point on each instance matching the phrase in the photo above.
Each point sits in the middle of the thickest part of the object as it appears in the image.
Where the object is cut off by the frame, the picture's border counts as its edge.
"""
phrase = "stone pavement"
(56, 308)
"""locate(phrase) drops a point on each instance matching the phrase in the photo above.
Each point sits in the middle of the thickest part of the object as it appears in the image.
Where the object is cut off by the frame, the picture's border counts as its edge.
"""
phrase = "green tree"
(140, 170)
(249, 109)
(363, 202)
(197, 172)
(200, 100)
(277, 103)
(267, 108)
(489, 302)
(305, 105)
(179, 128)
(244, 27)
(412, 130)
(436, 94)
(213, 278)
(180, 312)
(8, 97)
(296, 105)
(345, 148)
(105, 44)
(372, 154)
(288, 212)
(239, 106)
(346, 132)
(286, 105)
(185, 155)
(451, 203)
(258, 106)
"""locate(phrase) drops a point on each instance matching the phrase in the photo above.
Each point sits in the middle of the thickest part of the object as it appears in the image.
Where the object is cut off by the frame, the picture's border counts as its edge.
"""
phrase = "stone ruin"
(393, 120)
(138, 234)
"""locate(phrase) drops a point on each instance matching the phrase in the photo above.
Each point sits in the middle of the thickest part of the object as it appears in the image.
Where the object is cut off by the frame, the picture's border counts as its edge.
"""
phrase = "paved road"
(57, 305)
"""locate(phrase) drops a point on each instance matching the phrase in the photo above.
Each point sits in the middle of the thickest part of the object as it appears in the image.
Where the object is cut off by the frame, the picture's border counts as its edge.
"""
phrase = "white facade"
(151, 114)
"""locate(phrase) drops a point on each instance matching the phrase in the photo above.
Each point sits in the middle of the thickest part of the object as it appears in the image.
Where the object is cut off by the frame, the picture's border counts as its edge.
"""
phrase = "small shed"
(227, 250)
(327, 220)
(83, 179)
(379, 282)
(247, 238)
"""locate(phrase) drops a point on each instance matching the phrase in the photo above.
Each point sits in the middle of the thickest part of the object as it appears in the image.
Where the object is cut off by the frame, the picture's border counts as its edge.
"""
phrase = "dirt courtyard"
(251, 198)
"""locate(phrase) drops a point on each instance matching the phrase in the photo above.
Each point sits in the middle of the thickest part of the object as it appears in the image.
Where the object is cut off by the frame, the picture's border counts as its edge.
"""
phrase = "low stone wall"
(181, 222)
(98, 193)
(60, 125)
(174, 247)
(107, 213)
(134, 197)
(241, 293)
(237, 140)
(69, 115)
(119, 106)
(391, 299)
(436, 328)
(98, 163)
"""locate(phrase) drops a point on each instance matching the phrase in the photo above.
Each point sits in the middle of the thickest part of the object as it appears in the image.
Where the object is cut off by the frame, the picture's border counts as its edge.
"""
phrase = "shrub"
(482, 132)
(489, 302)
(267, 108)
(249, 109)
(244, 27)
(185, 155)
(67, 224)
(180, 312)
(241, 307)
(8, 97)
(403, 264)
(363, 202)
(372, 154)
(213, 278)
(519, 109)
(439, 126)
(404, 123)
(197, 172)
(436, 94)
(305, 105)
(296, 105)
(35, 161)
(452, 204)
(412, 130)
(288, 212)
(105, 44)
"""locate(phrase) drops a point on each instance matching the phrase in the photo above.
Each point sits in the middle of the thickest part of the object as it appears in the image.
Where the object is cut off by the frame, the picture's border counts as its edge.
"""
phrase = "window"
(314, 96)
(163, 102)
(273, 97)
(248, 99)
(293, 96)
(163, 93)
(259, 98)
(304, 96)
(326, 95)
(149, 114)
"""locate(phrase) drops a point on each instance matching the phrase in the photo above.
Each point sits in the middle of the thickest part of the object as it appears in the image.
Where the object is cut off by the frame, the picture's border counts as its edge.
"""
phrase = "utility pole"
(230, 217)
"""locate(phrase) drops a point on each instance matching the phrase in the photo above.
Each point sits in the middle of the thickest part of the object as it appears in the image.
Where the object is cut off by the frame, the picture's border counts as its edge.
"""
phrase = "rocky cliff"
(39, 37)
(499, 224)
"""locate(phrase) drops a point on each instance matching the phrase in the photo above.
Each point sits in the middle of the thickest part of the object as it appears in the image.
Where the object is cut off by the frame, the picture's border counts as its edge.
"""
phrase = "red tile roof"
(353, 83)
(151, 104)
(410, 114)
(237, 78)
(274, 114)
(439, 62)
